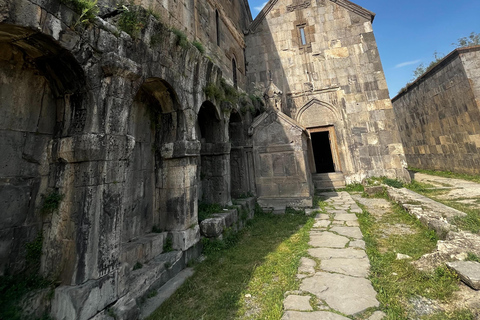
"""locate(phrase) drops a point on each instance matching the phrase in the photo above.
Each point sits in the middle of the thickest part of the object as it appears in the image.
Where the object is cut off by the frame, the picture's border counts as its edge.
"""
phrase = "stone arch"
(42, 88)
(155, 123)
(317, 113)
(215, 156)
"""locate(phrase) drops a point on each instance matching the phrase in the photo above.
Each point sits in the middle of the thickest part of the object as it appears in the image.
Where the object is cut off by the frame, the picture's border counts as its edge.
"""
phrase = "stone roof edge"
(447, 59)
(247, 6)
(282, 115)
(344, 3)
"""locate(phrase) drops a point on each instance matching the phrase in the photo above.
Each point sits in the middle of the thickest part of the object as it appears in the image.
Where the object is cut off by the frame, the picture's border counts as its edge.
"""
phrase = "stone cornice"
(451, 56)
(343, 3)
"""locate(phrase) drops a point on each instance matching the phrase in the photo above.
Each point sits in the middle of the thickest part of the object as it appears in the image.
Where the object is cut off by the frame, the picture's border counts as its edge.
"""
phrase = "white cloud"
(407, 63)
(259, 8)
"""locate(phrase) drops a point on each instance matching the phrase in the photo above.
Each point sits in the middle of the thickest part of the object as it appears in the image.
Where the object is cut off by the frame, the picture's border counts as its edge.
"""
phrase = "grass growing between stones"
(397, 281)
(248, 280)
(471, 222)
(449, 174)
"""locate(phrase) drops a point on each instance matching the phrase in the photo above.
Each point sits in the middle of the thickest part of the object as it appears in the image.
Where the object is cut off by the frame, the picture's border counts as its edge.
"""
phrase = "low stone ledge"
(143, 249)
(214, 226)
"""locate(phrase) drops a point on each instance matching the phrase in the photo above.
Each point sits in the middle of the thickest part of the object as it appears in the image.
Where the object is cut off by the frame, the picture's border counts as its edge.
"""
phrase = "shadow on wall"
(42, 90)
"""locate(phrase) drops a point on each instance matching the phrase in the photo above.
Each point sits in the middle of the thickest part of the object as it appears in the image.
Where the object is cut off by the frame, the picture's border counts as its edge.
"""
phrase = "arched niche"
(215, 156)
(317, 113)
(155, 121)
(42, 91)
(238, 157)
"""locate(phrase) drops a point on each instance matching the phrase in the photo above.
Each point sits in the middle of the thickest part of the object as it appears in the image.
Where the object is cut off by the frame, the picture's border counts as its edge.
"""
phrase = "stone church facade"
(116, 122)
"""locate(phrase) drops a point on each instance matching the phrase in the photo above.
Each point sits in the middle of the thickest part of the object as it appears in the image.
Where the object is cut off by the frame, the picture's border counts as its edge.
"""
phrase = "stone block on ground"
(321, 224)
(327, 240)
(349, 267)
(295, 302)
(182, 240)
(349, 295)
(468, 271)
(352, 232)
(329, 253)
(307, 266)
(324, 315)
(377, 315)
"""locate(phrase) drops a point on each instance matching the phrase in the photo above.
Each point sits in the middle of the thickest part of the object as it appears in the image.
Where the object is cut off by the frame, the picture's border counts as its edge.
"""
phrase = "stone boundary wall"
(439, 115)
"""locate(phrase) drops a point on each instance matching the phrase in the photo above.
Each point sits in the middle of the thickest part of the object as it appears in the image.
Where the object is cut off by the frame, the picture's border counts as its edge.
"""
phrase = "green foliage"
(132, 20)
(472, 40)
(168, 245)
(182, 40)
(137, 266)
(472, 257)
(213, 92)
(230, 93)
(34, 252)
(88, 9)
(51, 202)
(156, 229)
(205, 210)
(393, 183)
(290, 210)
(230, 238)
(199, 46)
(14, 288)
(354, 187)
(152, 293)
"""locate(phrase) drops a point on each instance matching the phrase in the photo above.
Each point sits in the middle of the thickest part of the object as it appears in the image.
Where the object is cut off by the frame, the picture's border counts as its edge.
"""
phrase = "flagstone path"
(334, 276)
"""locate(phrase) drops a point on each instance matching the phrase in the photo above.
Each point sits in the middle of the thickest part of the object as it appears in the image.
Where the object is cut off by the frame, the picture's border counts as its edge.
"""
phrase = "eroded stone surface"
(295, 302)
(327, 240)
(346, 294)
(352, 232)
(307, 266)
(328, 253)
(349, 267)
(468, 271)
(324, 315)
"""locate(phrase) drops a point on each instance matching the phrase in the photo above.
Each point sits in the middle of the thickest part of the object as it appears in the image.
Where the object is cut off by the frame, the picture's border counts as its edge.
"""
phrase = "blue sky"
(409, 32)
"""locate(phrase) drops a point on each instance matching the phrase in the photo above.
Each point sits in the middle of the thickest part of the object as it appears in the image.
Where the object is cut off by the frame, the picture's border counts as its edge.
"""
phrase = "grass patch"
(449, 174)
(199, 46)
(51, 202)
(262, 263)
(397, 281)
(205, 210)
(472, 257)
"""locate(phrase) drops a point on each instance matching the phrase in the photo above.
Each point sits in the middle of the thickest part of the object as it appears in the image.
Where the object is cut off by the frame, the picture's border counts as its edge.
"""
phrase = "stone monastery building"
(116, 120)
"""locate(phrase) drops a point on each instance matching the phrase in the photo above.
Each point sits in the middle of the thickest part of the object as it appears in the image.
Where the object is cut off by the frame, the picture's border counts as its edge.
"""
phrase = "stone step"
(330, 180)
(328, 176)
(164, 293)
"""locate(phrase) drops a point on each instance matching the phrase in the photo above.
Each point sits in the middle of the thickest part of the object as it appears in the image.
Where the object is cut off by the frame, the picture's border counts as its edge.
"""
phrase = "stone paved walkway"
(336, 271)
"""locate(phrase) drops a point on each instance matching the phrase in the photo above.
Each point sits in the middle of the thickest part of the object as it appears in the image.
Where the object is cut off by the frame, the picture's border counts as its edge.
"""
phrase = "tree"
(472, 40)
(421, 69)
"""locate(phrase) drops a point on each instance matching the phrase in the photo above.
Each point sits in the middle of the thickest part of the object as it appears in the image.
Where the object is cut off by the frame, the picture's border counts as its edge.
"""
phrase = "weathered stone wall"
(111, 123)
(334, 78)
(439, 115)
(197, 19)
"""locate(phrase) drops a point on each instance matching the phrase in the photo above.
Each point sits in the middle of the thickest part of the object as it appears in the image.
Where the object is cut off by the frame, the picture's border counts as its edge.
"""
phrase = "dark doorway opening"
(322, 152)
